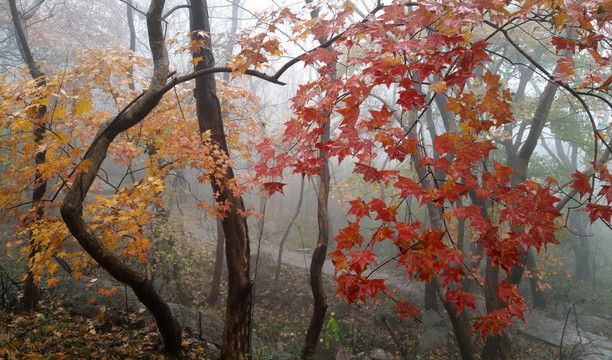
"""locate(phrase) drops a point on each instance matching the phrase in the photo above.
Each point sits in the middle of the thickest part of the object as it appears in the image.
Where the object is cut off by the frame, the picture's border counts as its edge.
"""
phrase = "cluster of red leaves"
(397, 49)
(598, 186)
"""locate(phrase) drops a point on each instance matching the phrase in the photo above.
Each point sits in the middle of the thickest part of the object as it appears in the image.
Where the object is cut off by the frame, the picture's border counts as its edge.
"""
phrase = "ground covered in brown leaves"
(281, 314)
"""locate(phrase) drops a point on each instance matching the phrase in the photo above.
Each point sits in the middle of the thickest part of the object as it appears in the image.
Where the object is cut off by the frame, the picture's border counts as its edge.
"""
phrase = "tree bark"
(215, 283)
(30, 288)
(236, 334)
(581, 248)
(320, 253)
(318, 256)
(132, 30)
(72, 206)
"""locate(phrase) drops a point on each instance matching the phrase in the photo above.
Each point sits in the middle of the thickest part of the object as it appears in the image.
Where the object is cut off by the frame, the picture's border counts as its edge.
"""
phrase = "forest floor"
(282, 311)
(281, 314)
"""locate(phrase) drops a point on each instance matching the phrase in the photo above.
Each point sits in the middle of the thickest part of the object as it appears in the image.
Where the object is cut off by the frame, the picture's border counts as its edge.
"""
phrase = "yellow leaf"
(84, 165)
(44, 101)
(206, 136)
(438, 86)
(59, 112)
(196, 60)
(82, 106)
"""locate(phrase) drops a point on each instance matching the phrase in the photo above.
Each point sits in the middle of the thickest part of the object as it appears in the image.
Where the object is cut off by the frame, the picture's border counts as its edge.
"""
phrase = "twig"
(399, 345)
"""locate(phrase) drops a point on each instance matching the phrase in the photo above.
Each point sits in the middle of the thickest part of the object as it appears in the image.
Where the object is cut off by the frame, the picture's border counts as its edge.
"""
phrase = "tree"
(440, 49)
(72, 206)
(415, 53)
(30, 293)
(215, 285)
(236, 335)
(291, 223)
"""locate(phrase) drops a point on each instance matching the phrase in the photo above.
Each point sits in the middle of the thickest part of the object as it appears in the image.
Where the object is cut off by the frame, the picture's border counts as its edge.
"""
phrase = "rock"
(574, 339)
(82, 297)
(363, 356)
(429, 319)
(379, 341)
(432, 339)
(545, 354)
(596, 324)
(344, 354)
(284, 356)
(212, 347)
(380, 354)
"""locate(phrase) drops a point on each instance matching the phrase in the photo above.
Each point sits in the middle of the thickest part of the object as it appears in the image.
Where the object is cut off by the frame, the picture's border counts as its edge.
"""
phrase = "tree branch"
(550, 78)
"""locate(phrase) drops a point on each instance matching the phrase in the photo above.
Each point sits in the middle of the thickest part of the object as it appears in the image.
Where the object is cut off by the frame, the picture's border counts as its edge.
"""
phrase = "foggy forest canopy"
(312, 180)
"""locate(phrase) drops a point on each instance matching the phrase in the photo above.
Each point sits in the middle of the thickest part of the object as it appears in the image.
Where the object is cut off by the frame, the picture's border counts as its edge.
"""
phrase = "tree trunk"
(72, 206)
(236, 334)
(318, 256)
(132, 29)
(514, 277)
(286, 234)
(461, 325)
(30, 289)
(320, 253)
(215, 284)
(582, 248)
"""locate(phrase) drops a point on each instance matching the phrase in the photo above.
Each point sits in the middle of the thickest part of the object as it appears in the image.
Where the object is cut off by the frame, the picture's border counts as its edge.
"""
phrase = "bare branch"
(178, 7)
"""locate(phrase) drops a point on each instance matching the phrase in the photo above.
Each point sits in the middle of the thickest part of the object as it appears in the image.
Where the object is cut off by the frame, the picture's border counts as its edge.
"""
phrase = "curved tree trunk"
(320, 252)
(30, 289)
(318, 257)
(236, 334)
(72, 206)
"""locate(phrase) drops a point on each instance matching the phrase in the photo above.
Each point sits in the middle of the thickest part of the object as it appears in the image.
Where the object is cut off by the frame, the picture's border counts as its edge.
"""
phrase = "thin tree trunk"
(318, 256)
(286, 234)
(132, 29)
(236, 334)
(215, 283)
(460, 323)
(30, 289)
(320, 253)
(581, 248)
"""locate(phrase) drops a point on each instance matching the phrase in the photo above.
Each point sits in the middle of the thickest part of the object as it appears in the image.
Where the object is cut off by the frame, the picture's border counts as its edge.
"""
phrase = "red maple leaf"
(359, 209)
(349, 237)
(406, 309)
(597, 211)
(408, 187)
(385, 213)
(360, 260)
(461, 299)
(379, 118)
(319, 54)
(581, 183)
(339, 260)
(273, 187)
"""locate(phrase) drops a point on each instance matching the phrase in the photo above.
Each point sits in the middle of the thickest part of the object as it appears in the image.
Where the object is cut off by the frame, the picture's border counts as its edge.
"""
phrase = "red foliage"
(428, 50)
